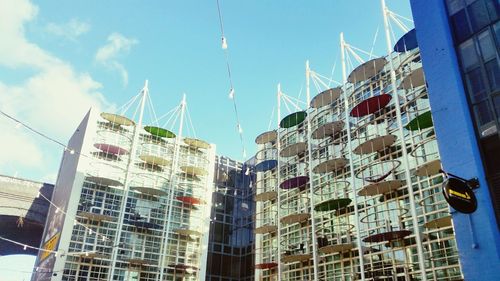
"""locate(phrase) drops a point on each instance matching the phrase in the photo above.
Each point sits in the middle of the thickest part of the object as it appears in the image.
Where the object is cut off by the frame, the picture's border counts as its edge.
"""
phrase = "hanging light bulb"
(72, 151)
(90, 231)
(224, 43)
(57, 210)
(25, 246)
(247, 172)
(231, 94)
(38, 194)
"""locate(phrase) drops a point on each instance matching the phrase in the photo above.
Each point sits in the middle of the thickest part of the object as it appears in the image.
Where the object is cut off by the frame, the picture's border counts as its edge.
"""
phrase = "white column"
(351, 166)
(126, 187)
(311, 186)
(406, 166)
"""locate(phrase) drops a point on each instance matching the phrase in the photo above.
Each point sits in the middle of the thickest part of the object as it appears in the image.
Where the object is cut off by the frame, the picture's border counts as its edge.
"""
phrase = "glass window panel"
(493, 70)
(460, 25)
(478, 15)
(486, 45)
(454, 6)
(496, 100)
(484, 119)
(493, 7)
(496, 28)
(468, 54)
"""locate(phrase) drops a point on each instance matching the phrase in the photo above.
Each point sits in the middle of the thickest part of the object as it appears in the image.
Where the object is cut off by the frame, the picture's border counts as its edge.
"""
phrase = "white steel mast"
(173, 182)
(351, 166)
(395, 95)
(311, 186)
(278, 176)
(128, 176)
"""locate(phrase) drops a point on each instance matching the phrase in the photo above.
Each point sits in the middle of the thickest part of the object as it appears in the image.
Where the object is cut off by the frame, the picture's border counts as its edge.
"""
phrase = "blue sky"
(57, 58)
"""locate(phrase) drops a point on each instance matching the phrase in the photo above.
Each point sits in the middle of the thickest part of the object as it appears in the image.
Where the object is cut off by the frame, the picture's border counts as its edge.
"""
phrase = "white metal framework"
(144, 189)
(349, 188)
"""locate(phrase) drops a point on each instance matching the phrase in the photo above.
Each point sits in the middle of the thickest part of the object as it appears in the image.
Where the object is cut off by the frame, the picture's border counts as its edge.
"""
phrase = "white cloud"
(53, 99)
(70, 30)
(116, 46)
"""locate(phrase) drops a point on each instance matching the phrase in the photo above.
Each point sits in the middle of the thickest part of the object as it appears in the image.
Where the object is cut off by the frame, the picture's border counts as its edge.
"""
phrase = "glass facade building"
(131, 203)
(230, 248)
(349, 187)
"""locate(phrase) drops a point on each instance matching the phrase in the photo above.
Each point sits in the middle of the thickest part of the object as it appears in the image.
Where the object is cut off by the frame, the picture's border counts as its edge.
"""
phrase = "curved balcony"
(118, 139)
(293, 119)
(370, 105)
(266, 258)
(426, 151)
(197, 143)
(413, 80)
(159, 132)
(266, 189)
(296, 248)
(266, 165)
(191, 156)
(266, 222)
(266, 153)
(422, 121)
(380, 188)
(117, 119)
(335, 238)
(155, 185)
(295, 208)
(331, 196)
(194, 171)
(329, 162)
(367, 70)
(377, 171)
(95, 213)
(327, 97)
(266, 137)
(436, 209)
(385, 225)
(192, 191)
(407, 42)
(155, 154)
(293, 143)
(294, 176)
(428, 169)
(106, 174)
(326, 123)
(188, 225)
(375, 144)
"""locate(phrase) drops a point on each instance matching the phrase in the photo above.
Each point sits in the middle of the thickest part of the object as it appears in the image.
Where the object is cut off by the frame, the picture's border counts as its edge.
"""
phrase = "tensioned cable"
(231, 90)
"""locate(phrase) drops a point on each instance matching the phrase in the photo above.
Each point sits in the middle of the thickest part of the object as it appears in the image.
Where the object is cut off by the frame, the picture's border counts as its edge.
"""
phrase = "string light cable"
(231, 90)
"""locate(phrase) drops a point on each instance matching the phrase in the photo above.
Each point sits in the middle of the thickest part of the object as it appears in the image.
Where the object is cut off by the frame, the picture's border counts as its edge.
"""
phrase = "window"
(488, 50)
(475, 85)
(461, 29)
(493, 72)
(478, 15)
(468, 54)
(484, 119)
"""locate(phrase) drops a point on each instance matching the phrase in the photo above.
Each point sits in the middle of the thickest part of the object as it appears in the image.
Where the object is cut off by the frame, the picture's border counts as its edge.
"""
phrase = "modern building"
(230, 246)
(459, 42)
(23, 212)
(349, 186)
(130, 203)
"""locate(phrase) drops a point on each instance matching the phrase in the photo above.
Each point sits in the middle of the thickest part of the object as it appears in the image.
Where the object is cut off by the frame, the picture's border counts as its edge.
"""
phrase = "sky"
(59, 58)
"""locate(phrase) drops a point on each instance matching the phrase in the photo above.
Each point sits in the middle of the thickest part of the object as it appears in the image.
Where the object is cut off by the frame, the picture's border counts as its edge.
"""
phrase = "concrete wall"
(22, 213)
(477, 234)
